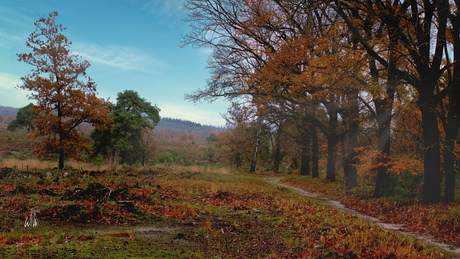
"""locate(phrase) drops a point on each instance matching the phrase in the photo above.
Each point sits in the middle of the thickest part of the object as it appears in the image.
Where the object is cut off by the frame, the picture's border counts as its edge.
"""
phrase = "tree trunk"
(332, 141)
(383, 181)
(449, 167)
(453, 116)
(256, 151)
(277, 154)
(112, 158)
(432, 161)
(384, 110)
(276, 159)
(315, 155)
(61, 139)
(238, 160)
(451, 127)
(305, 158)
(61, 159)
(351, 162)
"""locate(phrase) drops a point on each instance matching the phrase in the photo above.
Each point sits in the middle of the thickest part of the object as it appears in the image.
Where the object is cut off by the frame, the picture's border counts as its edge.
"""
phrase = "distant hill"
(174, 125)
(187, 126)
(8, 111)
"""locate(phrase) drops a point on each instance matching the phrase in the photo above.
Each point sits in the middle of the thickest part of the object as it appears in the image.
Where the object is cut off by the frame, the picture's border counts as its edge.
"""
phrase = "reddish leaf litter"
(416, 220)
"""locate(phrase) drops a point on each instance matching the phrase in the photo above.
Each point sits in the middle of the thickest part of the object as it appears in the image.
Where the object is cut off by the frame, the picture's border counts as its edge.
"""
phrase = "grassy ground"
(440, 220)
(181, 212)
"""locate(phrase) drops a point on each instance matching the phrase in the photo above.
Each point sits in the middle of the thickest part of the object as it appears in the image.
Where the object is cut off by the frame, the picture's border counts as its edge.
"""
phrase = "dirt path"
(395, 227)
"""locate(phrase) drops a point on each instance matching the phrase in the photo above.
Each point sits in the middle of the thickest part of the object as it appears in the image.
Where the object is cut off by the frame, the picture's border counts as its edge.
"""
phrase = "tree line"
(341, 70)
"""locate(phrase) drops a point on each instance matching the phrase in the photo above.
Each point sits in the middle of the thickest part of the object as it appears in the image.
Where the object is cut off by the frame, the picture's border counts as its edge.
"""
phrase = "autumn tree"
(149, 144)
(24, 119)
(266, 48)
(64, 101)
(132, 115)
(424, 32)
(237, 142)
(2, 119)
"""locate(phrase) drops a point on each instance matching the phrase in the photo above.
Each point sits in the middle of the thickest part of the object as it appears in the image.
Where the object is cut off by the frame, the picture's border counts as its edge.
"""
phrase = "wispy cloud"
(162, 7)
(15, 27)
(9, 81)
(9, 95)
(121, 57)
(12, 17)
(9, 40)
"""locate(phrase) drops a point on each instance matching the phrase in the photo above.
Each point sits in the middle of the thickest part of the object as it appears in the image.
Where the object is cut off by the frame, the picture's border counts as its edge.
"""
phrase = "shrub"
(99, 160)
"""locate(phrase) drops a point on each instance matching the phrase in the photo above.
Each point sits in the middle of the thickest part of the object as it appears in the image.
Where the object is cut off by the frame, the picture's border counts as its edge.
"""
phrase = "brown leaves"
(63, 100)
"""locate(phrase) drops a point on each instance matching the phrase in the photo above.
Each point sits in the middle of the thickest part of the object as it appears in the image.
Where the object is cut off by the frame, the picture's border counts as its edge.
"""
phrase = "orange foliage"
(396, 164)
(63, 100)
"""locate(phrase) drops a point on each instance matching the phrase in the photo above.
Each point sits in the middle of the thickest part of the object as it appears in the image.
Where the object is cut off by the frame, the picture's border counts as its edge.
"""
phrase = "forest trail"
(395, 227)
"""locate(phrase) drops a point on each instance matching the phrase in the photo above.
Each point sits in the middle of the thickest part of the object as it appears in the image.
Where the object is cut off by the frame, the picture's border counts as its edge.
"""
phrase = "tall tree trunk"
(305, 158)
(256, 151)
(384, 110)
(453, 116)
(352, 142)
(449, 162)
(451, 124)
(332, 141)
(315, 154)
(383, 181)
(61, 139)
(277, 156)
(432, 161)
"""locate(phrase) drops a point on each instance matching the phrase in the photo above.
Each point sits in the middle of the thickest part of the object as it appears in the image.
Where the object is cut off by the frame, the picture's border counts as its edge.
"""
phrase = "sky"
(131, 45)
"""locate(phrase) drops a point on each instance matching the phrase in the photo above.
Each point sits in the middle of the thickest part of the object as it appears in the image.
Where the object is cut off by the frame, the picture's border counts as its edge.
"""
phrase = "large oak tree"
(63, 99)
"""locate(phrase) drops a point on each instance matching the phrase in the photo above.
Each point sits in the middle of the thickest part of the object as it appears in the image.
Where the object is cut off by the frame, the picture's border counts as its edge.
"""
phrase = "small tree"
(149, 144)
(1, 119)
(24, 119)
(63, 100)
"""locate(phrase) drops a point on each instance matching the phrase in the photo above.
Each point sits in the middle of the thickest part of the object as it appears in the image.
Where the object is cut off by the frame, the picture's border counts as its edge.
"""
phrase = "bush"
(407, 187)
(166, 158)
(175, 155)
(99, 160)
(209, 154)
(184, 154)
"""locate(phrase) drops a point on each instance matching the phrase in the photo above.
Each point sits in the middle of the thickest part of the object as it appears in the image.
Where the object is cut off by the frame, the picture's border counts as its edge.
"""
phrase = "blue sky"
(131, 44)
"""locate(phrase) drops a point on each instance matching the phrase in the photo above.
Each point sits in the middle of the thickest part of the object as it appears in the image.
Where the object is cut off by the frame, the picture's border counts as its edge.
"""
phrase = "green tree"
(24, 119)
(64, 100)
(132, 114)
(211, 138)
